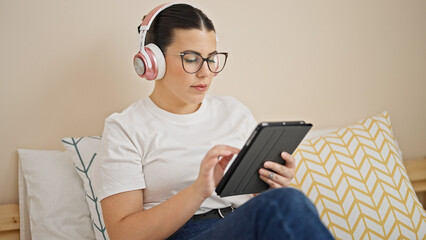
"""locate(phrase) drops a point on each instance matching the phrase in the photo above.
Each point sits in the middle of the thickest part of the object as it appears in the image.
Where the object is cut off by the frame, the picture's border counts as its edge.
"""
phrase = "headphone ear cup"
(140, 64)
(159, 60)
(150, 64)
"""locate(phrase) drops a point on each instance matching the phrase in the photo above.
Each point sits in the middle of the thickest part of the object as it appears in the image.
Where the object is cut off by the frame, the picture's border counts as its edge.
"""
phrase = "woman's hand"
(212, 168)
(281, 175)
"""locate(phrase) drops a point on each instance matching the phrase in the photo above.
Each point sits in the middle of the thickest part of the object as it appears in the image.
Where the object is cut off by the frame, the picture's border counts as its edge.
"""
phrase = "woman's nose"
(204, 70)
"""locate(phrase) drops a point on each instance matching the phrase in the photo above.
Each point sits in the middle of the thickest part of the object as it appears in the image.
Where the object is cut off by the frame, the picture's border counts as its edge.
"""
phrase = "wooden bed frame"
(9, 221)
(9, 213)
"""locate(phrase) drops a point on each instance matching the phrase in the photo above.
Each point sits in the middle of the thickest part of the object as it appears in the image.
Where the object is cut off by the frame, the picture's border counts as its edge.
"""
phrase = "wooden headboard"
(9, 222)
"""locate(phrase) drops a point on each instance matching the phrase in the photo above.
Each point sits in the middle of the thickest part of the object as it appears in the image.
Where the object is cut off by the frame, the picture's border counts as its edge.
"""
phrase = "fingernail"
(267, 164)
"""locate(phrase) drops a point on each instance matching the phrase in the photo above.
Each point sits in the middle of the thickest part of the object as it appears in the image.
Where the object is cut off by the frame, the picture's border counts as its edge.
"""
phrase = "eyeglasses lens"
(193, 62)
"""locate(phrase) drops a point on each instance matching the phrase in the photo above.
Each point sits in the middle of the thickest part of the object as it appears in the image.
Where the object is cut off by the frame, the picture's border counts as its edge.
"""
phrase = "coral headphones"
(149, 62)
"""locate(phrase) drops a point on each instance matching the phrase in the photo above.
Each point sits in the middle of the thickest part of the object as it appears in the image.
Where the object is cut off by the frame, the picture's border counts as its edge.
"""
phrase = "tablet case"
(266, 143)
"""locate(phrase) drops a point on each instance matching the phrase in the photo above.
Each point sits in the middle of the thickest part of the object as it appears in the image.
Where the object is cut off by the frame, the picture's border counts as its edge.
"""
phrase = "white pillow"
(84, 151)
(24, 221)
(55, 196)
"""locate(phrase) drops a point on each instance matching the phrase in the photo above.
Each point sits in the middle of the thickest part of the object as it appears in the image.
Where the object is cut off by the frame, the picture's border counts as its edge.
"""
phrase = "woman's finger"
(289, 160)
(217, 152)
(270, 182)
(224, 160)
(280, 180)
(222, 150)
(282, 170)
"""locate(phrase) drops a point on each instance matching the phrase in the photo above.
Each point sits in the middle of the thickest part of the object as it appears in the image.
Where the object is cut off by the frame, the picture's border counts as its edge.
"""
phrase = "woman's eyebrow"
(193, 51)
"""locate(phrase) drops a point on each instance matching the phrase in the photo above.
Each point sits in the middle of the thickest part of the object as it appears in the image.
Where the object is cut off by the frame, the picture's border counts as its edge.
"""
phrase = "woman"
(163, 156)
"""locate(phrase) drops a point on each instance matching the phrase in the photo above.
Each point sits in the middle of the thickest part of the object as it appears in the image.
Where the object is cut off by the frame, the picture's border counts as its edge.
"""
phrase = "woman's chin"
(197, 99)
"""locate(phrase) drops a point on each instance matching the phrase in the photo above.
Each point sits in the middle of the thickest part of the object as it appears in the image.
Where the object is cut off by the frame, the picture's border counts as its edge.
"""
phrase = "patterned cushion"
(84, 151)
(356, 179)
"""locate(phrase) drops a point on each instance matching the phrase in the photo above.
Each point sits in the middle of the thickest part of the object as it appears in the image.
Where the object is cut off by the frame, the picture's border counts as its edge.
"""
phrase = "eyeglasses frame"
(182, 54)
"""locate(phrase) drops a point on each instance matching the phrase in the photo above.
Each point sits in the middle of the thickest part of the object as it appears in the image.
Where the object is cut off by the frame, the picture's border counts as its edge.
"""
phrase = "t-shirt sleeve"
(119, 164)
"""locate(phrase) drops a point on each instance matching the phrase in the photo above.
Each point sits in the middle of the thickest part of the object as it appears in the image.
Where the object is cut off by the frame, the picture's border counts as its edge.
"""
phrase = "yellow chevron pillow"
(356, 179)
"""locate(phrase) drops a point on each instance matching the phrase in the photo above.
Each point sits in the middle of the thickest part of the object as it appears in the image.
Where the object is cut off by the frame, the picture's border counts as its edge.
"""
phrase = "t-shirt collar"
(181, 119)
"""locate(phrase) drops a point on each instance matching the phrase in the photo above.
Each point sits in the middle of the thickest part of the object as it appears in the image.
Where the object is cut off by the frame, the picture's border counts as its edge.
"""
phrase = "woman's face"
(178, 87)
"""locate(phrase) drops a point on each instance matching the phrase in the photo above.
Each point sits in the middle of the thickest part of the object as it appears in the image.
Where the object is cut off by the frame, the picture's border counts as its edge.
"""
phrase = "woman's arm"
(125, 218)
(124, 215)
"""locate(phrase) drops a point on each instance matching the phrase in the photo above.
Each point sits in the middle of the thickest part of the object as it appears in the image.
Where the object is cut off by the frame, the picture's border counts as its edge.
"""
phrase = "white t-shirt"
(146, 147)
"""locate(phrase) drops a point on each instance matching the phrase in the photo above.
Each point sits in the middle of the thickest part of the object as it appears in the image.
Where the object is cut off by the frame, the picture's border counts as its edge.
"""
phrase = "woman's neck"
(172, 104)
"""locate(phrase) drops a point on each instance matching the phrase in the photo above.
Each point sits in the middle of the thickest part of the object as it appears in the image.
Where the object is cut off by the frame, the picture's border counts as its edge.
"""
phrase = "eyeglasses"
(192, 61)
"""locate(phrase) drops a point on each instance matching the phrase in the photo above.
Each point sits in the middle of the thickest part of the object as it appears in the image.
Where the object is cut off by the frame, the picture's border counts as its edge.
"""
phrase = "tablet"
(266, 143)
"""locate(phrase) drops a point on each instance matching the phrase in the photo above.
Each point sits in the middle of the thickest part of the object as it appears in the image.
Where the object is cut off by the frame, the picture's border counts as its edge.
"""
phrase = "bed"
(355, 175)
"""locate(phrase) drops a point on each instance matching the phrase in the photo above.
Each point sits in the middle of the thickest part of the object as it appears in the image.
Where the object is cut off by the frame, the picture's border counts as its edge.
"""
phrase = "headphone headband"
(149, 18)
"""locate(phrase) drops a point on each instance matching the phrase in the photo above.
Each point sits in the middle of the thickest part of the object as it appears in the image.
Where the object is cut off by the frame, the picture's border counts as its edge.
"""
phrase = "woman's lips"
(200, 87)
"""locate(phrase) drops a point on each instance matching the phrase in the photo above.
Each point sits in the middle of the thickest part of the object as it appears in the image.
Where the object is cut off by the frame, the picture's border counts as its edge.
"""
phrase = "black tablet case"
(266, 143)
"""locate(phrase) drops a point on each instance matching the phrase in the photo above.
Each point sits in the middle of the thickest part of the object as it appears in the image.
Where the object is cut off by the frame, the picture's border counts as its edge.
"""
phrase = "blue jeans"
(284, 213)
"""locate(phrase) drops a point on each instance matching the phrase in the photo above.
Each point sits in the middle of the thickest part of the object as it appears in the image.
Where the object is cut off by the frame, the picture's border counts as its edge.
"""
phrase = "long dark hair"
(179, 16)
